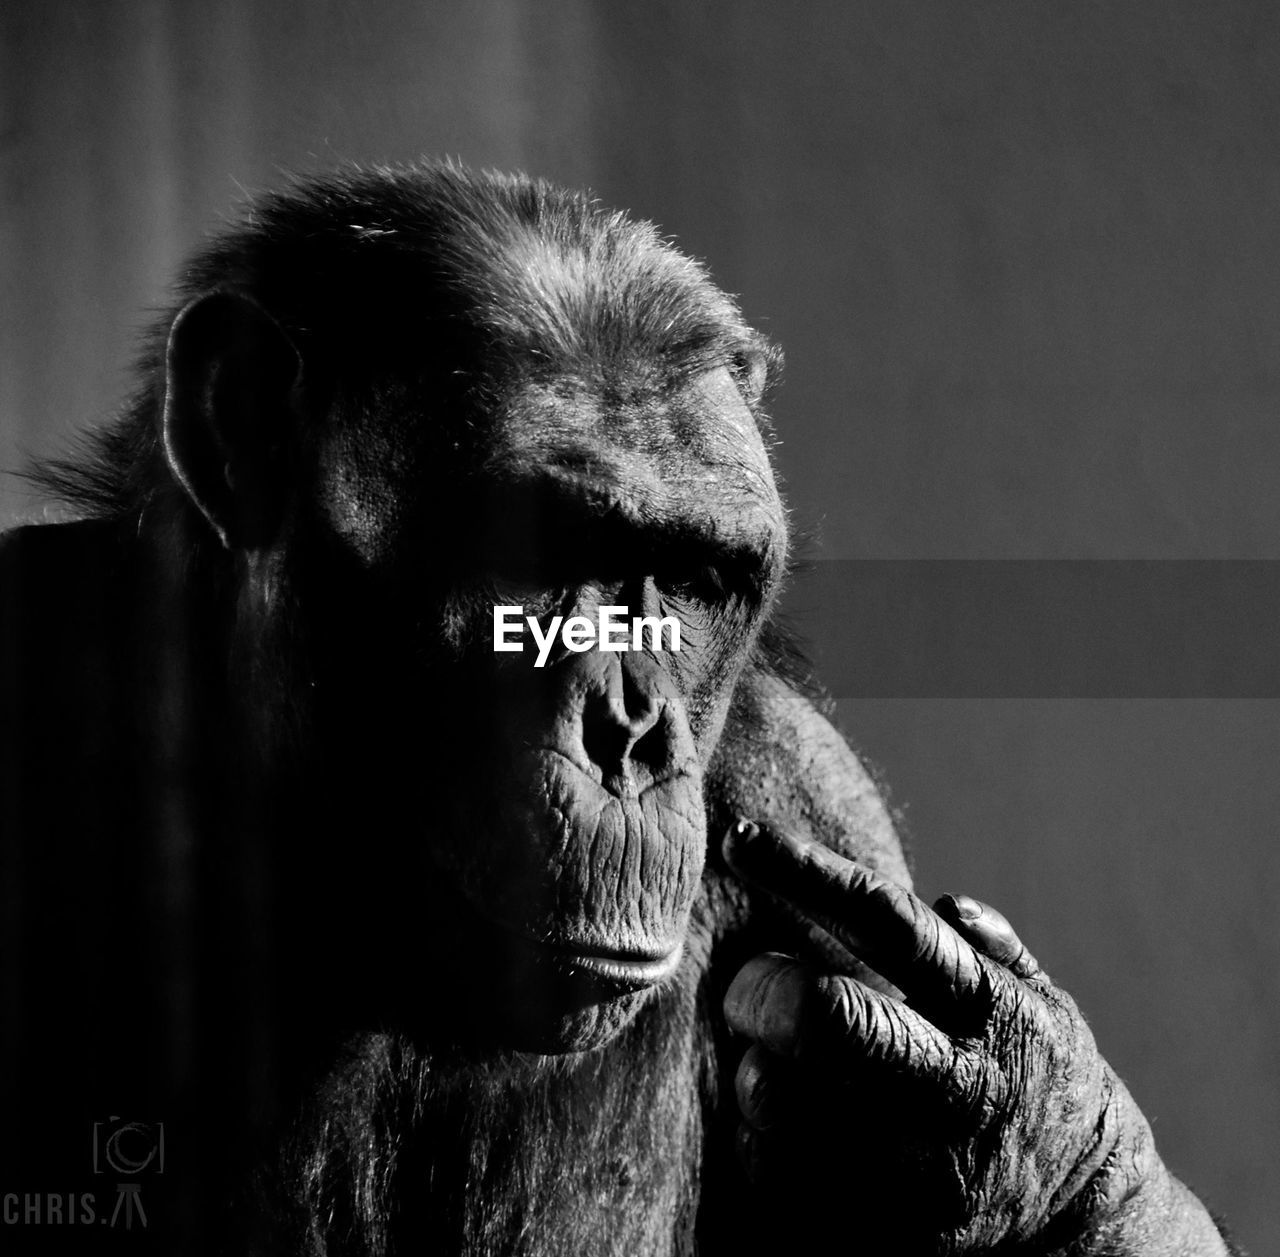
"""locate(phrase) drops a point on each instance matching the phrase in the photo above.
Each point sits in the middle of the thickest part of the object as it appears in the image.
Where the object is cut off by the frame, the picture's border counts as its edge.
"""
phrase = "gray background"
(1025, 261)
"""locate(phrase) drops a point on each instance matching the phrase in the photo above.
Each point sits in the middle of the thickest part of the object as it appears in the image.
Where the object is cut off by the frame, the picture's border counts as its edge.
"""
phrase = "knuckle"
(834, 1008)
(895, 898)
(984, 1088)
(1015, 1010)
(855, 880)
(841, 1015)
(990, 992)
(904, 920)
(837, 1022)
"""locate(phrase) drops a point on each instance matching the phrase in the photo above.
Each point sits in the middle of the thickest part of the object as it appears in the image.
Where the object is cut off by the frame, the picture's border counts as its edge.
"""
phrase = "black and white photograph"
(639, 628)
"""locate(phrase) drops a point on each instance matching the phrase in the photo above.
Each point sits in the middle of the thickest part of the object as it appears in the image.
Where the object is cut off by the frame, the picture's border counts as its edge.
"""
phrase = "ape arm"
(1001, 1113)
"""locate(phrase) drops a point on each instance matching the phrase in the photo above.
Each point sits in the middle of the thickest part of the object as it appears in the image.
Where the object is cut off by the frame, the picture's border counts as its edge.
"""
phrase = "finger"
(762, 1088)
(826, 952)
(834, 1020)
(830, 955)
(882, 923)
(989, 931)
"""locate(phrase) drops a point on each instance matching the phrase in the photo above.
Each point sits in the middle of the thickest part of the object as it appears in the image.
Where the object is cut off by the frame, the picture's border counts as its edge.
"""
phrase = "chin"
(551, 1032)
(558, 999)
(509, 992)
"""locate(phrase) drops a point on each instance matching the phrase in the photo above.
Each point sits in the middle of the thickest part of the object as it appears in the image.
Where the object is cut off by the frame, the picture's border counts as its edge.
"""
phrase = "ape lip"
(621, 968)
(634, 969)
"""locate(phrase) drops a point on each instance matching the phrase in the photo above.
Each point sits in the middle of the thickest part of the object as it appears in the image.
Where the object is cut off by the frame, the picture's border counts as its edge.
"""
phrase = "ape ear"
(229, 414)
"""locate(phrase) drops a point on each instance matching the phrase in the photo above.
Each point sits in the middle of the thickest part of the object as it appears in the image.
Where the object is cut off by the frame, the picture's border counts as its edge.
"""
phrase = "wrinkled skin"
(998, 1104)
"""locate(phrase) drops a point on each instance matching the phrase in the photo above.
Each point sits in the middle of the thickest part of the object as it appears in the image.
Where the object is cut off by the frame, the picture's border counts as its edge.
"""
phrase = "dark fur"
(387, 279)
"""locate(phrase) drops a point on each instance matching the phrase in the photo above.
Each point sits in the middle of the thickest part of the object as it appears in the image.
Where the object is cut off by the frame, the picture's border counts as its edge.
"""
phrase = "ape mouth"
(615, 971)
(623, 970)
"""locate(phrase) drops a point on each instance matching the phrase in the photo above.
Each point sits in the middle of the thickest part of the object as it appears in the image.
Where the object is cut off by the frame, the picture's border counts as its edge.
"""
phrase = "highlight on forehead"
(574, 285)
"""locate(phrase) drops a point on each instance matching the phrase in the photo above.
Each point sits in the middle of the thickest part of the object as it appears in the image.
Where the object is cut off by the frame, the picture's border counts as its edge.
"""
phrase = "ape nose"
(623, 731)
(645, 743)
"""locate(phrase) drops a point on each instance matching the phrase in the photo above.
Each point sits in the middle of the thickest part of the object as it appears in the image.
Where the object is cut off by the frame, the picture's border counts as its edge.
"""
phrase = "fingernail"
(966, 909)
(748, 847)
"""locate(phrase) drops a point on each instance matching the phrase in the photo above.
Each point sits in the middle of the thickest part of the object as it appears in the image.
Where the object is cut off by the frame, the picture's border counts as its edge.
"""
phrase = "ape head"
(389, 402)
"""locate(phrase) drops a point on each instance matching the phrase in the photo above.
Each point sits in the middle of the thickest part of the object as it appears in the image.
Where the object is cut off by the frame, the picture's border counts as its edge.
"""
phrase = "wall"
(1024, 259)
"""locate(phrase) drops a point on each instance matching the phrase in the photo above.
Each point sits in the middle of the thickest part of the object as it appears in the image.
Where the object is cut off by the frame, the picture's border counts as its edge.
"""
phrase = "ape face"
(552, 410)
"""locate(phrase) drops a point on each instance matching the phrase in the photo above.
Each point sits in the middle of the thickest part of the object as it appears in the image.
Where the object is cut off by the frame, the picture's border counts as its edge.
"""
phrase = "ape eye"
(701, 584)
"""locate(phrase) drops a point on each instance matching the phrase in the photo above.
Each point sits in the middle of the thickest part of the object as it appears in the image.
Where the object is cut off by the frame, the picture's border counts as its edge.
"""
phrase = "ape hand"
(981, 1090)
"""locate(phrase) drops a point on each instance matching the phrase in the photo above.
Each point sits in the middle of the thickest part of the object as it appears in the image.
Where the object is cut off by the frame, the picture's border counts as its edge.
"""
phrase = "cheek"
(370, 490)
(719, 644)
(359, 508)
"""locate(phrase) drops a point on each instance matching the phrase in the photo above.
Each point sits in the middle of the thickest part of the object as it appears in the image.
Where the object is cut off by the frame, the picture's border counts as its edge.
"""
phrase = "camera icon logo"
(127, 1148)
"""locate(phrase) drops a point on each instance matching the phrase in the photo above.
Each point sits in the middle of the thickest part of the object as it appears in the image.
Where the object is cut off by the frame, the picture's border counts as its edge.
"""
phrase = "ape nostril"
(649, 750)
(604, 739)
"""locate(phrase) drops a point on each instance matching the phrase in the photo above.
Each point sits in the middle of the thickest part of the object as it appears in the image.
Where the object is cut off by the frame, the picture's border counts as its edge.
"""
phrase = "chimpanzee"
(339, 919)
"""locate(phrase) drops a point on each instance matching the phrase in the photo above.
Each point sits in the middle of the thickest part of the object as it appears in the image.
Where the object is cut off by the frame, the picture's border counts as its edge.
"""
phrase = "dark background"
(1025, 261)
